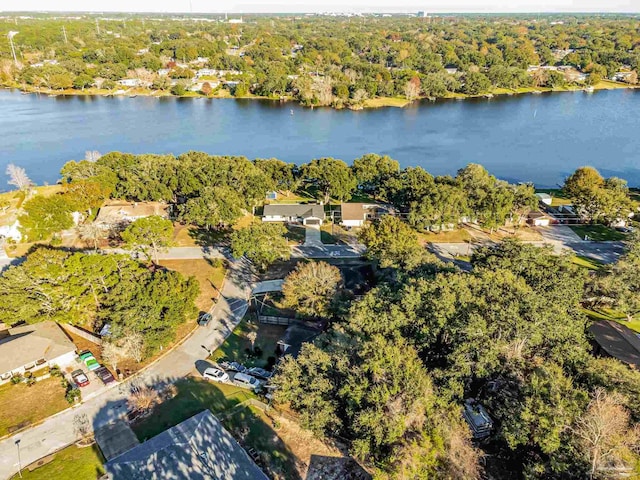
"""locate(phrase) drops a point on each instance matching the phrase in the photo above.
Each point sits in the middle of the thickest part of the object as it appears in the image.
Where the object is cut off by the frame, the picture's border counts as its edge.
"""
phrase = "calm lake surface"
(537, 138)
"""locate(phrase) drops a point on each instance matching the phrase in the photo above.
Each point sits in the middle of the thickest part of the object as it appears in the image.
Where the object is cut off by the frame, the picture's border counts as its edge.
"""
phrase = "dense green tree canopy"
(91, 289)
(44, 216)
(262, 243)
(332, 178)
(149, 236)
(312, 288)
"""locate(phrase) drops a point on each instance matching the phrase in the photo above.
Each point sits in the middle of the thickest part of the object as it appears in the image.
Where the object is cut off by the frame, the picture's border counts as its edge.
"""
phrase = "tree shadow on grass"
(204, 237)
(255, 429)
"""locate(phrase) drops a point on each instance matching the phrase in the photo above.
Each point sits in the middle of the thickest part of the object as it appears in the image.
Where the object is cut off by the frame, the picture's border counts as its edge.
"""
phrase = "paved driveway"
(559, 233)
(327, 251)
(312, 236)
(58, 431)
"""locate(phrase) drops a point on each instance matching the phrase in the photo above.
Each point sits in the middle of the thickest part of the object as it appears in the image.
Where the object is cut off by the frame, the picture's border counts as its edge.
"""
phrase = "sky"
(215, 6)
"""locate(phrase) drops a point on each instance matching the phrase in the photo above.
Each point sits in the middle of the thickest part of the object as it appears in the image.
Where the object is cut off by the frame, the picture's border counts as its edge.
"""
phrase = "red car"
(80, 378)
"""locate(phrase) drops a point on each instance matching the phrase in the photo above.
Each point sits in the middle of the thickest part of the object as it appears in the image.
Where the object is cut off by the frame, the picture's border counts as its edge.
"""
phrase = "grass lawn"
(326, 236)
(194, 396)
(254, 429)
(292, 197)
(361, 197)
(586, 262)
(72, 463)
(386, 102)
(598, 233)
(237, 346)
(295, 234)
(454, 236)
(557, 196)
(22, 404)
(209, 277)
(246, 221)
(609, 314)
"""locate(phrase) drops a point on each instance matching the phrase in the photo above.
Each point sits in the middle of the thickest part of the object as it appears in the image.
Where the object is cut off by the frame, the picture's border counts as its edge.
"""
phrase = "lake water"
(537, 138)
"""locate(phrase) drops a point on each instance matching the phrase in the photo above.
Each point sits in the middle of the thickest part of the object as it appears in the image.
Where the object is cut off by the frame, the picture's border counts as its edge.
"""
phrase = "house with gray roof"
(307, 214)
(30, 347)
(197, 449)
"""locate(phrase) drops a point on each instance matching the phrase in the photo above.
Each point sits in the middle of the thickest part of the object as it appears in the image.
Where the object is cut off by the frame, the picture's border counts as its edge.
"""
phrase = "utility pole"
(13, 49)
(64, 32)
(17, 442)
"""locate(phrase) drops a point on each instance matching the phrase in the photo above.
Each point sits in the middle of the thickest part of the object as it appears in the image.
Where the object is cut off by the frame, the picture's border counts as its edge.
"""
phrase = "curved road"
(58, 431)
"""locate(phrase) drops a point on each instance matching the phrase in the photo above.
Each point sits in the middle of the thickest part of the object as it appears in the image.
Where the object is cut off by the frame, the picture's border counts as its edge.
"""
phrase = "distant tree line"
(214, 191)
(322, 61)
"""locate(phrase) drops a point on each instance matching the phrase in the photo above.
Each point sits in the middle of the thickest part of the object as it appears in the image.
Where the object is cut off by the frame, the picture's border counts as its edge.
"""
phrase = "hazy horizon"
(318, 6)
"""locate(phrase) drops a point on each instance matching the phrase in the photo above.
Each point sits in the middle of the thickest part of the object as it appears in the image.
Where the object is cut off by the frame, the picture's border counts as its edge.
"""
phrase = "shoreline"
(373, 103)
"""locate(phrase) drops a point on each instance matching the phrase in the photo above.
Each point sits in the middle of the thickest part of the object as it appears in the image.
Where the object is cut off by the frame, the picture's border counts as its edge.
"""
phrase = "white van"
(247, 381)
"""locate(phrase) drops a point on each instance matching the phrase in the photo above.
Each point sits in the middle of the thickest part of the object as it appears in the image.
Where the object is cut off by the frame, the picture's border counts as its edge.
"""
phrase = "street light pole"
(13, 50)
(17, 442)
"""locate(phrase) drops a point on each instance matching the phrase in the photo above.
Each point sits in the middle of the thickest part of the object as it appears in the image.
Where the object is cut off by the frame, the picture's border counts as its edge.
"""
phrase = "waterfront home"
(30, 347)
(197, 449)
(307, 214)
(130, 82)
(356, 214)
(622, 76)
(127, 212)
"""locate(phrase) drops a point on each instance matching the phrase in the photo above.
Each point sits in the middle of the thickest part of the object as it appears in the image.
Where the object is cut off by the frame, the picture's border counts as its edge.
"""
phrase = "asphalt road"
(58, 431)
(605, 252)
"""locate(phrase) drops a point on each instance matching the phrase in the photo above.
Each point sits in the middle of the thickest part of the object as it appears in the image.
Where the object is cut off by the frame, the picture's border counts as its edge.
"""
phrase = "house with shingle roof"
(307, 214)
(29, 347)
(199, 448)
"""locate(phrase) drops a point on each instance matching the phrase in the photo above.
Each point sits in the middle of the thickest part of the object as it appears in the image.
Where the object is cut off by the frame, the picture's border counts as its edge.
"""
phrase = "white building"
(130, 82)
(356, 214)
(309, 214)
(545, 198)
(207, 72)
(11, 232)
(538, 219)
(31, 347)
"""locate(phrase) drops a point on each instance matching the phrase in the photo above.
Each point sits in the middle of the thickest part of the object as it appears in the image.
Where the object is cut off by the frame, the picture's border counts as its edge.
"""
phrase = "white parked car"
(247, 381)
(215, 375)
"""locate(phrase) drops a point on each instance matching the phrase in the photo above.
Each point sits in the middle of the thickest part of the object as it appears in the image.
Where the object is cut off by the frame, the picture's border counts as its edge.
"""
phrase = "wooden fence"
(276, 320)
(82, 333)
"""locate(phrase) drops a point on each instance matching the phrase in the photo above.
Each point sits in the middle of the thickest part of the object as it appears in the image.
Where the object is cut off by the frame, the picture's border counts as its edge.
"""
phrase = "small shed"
(545, 198)
(478, 419)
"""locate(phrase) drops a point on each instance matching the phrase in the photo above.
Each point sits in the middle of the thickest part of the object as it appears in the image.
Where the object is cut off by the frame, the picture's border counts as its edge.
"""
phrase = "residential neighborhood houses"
(227, 358)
